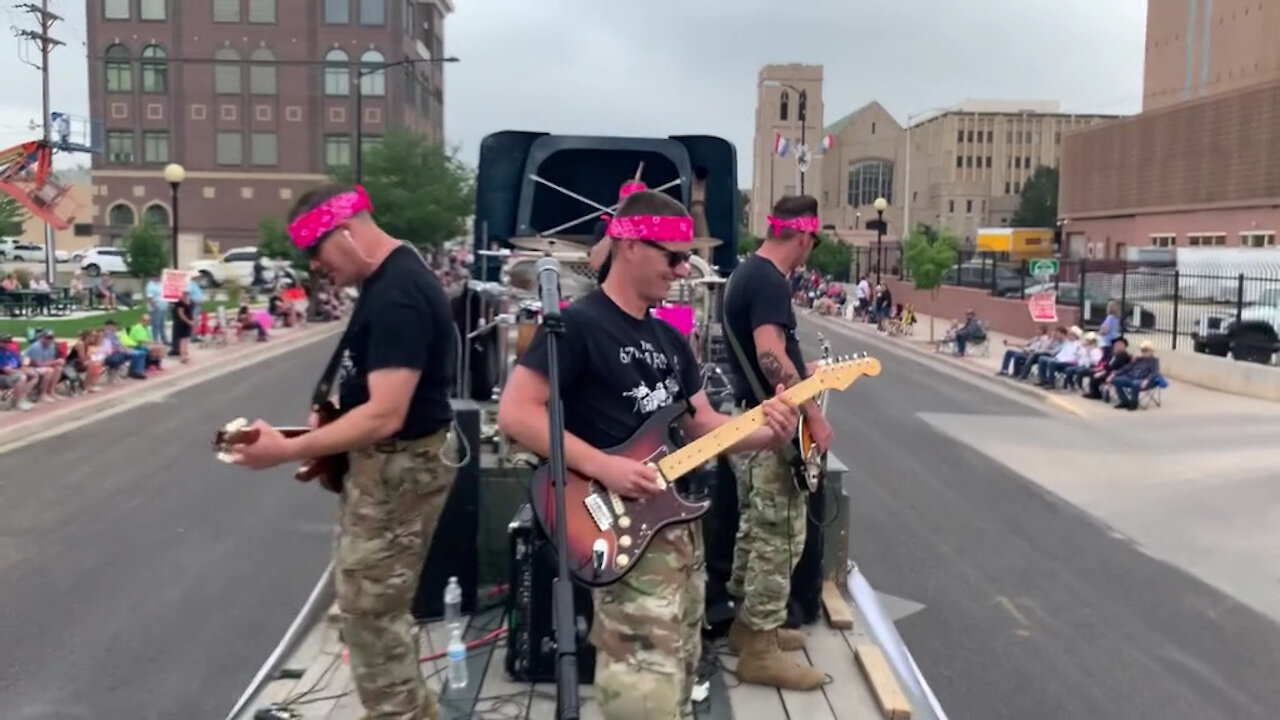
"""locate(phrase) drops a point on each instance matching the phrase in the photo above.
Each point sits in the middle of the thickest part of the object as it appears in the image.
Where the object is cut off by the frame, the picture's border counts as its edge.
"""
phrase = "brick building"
(1199, 165)
(256, 102)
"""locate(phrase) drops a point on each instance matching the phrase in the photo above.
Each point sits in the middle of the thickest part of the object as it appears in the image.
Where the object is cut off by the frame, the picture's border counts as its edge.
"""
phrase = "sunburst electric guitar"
(608, 533)
(812, 461)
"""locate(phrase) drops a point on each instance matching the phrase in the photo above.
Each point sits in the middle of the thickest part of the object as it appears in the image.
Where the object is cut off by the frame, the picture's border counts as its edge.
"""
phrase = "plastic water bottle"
(453, 604)
(457, 673)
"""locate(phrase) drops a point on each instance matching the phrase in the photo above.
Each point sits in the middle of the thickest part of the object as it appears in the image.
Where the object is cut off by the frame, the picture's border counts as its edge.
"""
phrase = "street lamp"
(359, 83)
(174, 174)
(880, 205)
(802, 112)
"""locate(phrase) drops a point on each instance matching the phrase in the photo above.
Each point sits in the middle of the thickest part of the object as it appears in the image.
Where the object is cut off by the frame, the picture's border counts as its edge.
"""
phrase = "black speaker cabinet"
(454, 548)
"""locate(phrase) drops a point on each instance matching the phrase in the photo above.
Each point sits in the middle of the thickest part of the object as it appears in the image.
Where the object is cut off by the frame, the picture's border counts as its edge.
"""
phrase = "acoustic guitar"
(328, 471)
(608, 533)
(810, 462)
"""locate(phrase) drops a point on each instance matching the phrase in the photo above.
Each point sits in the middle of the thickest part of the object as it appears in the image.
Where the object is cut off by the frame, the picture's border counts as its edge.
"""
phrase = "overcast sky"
(663, 67)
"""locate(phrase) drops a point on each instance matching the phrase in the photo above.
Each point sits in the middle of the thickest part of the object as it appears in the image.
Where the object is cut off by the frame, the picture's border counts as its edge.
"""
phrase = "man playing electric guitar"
(395, 428)
(619, 365)
(771, 530)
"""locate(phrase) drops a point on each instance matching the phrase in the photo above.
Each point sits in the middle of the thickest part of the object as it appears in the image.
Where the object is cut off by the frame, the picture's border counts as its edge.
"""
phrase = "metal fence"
(1168, 306)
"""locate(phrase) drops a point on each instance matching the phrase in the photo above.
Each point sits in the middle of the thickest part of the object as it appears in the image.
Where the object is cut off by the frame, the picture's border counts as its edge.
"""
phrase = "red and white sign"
(173, 283)
(1043, 307)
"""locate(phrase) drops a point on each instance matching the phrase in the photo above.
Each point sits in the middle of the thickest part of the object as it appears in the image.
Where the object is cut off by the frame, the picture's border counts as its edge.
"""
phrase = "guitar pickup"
(599, 511)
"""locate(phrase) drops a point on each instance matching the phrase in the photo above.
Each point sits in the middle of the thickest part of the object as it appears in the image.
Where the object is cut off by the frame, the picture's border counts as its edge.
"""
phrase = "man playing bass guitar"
(395, 429)
(771, 530)
(618, 366)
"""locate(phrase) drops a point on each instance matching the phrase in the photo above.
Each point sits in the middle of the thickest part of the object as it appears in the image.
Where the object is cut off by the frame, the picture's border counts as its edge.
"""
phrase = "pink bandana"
(314, 224)
(629, 187)
(657, 228)
(802, 224)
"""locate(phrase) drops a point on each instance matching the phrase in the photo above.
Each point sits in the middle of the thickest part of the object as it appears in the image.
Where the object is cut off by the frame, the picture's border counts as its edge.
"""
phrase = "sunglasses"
(674, 259)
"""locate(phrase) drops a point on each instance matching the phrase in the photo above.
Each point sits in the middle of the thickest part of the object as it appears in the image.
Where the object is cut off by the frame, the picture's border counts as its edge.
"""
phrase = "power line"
(45, 19)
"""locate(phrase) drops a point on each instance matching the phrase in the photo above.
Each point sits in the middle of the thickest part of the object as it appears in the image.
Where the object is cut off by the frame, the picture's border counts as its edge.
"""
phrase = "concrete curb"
(68, 416)
(853, 328)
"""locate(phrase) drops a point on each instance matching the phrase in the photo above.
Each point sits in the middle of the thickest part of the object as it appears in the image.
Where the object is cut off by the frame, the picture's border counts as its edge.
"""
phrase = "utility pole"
(45, 42)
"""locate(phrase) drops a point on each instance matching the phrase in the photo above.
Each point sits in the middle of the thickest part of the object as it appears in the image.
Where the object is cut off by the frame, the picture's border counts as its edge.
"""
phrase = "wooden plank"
(338, 686)
(838, 613)
(893, 703)
(848, 693)
(281, 688)
(752, 702)
(810, 704)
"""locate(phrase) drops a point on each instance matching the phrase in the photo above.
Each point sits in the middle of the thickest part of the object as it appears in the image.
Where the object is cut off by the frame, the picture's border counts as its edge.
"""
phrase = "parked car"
(1096, 312)
(98, 260)
(1004, 281)
(235, 268)
(1254, 338)
(26, 252)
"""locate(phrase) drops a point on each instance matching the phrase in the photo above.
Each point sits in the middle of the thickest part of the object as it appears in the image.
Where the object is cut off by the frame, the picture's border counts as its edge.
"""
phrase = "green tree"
(274, 243)
(831, 257)
(1039, 204)
(926, 257)
(421, 193)
(12, 216)
(147, 250)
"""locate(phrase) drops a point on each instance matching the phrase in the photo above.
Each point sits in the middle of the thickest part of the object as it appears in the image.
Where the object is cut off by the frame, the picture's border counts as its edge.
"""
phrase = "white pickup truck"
(235, 268)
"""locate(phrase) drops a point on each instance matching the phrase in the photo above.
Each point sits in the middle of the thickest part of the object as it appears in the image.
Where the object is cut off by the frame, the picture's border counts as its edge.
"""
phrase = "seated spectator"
(81, 367)
(1068, 355)
(280, 308)
(963, 334)
(105, 291)
(1090, 359)
(1130, 380)
(118, 353)
(1119, 359)
(1017, 356)
(246, 321)
(42, 356)
(14, 375)
(139, 337)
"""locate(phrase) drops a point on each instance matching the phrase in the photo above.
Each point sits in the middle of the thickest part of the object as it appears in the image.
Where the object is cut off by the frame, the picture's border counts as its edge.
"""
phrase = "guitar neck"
(692, 456)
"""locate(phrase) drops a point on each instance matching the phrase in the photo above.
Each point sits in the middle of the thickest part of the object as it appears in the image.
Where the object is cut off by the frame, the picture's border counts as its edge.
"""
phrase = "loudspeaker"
(531, 648)
(454, 547)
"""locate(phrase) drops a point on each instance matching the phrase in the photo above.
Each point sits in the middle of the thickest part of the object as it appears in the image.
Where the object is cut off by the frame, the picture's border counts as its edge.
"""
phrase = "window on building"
(959, 161)
(263, 149)
(119, 72)
(991, 136)
(155, 71)
(337, 151)
(873, 128)
(115, 9)
(156, 214)
(369, 142)
(969, 136)
(868, 180)
(337, 74)
(229, 148)
(951, 206)
(120, 147)
(1017, 162)
(262, 72)
(1057, 137)
(226, 75)
(1006, 187)
(410, 25)
(959, 136)
(1258, 239)
(1206, 239)
(968, 206)
(337, 12)
(373, 12)
(151, 10)
(783, 104)
(1026, 162)
(120, 215)
(374, 84)
(988, 161)
(155, 146)
(968, 161)
(262, 11)
(1017, 188)
(226, 11)
(1164, 241)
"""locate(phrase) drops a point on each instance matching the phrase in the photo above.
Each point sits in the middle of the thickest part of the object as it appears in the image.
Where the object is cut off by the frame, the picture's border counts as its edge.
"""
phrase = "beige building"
(777, 114)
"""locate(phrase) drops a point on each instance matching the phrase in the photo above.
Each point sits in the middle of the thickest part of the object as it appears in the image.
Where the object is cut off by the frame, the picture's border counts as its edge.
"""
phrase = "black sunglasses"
(674, 259)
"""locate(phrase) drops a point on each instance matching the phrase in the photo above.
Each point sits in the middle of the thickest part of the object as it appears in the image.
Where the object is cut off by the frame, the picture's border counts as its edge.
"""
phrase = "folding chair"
(1153, 396)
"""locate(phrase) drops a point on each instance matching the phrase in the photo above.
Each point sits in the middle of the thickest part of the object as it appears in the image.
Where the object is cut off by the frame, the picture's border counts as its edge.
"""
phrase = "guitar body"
(606, 533)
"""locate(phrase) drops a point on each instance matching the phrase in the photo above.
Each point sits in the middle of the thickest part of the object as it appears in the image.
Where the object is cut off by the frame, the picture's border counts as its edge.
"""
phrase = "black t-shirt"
(615, 370)
(402, 320)
(759, 295)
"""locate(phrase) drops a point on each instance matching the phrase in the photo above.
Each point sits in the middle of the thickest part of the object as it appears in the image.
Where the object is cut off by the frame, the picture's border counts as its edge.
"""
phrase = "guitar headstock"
(839, 373)
(236, 432)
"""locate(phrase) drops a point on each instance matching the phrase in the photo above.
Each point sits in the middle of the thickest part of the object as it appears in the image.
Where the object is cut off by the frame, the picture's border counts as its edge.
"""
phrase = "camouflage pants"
(771, 528)
(648, 630)
(387, 517)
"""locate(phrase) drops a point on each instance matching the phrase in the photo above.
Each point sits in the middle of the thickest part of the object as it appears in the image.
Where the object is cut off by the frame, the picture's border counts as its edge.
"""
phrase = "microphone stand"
(562, 586)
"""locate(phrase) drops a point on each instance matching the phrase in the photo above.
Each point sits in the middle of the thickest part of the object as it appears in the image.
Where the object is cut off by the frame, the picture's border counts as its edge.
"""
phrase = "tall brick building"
(255, 99)
(1199, 166)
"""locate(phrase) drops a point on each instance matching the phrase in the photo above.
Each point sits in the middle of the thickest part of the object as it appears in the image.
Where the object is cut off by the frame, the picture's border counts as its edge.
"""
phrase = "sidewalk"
(16, 425)
(1179, 400)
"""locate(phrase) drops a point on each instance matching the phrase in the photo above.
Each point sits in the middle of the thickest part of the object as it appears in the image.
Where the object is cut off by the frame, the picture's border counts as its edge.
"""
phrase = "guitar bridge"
(599, 511)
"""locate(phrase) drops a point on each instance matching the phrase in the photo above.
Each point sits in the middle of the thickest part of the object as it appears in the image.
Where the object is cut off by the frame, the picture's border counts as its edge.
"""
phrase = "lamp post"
(360, 75)
(802, 115)
(880, 204)
(174, 174)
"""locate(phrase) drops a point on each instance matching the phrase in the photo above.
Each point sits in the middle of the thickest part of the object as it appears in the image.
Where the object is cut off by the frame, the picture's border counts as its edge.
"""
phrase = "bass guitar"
(328, 471)
(810, 464)
(608, 533)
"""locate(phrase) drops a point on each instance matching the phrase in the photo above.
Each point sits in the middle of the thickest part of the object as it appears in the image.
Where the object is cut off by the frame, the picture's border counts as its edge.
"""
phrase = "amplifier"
(531, 648)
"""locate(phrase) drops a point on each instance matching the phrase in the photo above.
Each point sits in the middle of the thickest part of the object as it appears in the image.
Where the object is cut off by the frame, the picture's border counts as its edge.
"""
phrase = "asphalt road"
(1032, 608)
(140, 578)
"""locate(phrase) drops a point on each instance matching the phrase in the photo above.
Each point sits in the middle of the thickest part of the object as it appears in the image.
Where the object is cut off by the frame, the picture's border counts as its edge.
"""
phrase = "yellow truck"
(1016, 243)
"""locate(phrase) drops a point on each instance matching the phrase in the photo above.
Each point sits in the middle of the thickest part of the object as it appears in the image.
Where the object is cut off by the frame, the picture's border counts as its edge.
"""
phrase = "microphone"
(548, 271)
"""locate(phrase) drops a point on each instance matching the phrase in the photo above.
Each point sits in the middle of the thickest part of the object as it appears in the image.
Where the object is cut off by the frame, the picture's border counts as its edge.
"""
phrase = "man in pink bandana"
(618, 366)
(771, 530)
(394, 427)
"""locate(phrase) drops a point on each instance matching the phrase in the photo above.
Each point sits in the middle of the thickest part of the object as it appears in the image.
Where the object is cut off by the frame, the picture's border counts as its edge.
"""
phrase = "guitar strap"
(324, 388)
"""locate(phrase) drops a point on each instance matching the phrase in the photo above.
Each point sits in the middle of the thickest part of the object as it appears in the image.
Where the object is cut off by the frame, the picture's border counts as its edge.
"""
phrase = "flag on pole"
(780, 145)
(827, 142)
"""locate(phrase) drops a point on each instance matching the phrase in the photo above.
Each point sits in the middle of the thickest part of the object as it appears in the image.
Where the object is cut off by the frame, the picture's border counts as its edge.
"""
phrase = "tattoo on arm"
(775, 372)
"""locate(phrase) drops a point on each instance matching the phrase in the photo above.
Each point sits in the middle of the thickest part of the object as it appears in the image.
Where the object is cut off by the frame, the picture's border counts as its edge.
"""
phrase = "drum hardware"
(598, 208)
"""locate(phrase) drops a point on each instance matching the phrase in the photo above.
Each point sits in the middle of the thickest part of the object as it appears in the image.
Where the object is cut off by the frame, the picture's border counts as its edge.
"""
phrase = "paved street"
(1033, 608)
(139, 578)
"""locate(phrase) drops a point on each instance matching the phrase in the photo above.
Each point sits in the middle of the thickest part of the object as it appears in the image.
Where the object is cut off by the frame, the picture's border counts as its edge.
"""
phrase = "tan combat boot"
(788, 640)
(761, 662)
